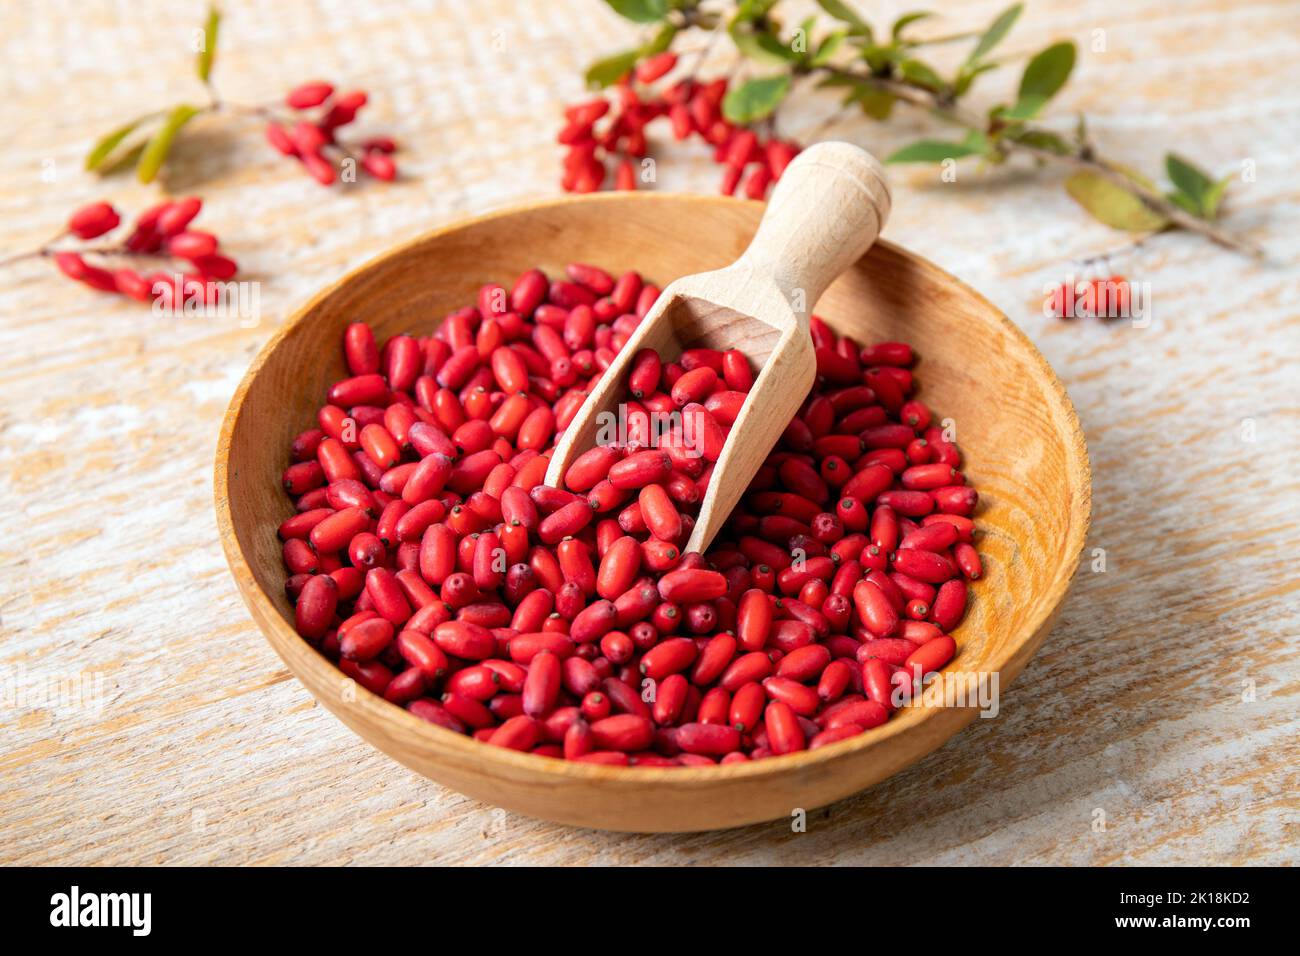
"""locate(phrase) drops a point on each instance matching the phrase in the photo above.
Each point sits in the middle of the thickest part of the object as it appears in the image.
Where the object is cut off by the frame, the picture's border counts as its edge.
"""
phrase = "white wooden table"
(143, 718)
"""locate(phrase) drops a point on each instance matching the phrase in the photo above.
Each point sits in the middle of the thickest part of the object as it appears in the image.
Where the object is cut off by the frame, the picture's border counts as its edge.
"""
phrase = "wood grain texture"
(1166, 696)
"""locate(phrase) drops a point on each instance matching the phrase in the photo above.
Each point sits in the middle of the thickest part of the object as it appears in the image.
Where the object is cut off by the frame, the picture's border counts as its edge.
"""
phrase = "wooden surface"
(1158, 723)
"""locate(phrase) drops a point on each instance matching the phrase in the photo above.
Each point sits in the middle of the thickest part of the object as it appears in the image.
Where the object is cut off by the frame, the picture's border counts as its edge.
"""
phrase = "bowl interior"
(1021, 444)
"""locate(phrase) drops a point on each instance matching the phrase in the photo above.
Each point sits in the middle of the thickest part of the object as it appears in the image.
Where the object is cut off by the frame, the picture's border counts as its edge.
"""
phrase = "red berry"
(380, 166)
(319, 168)
(653, 67)
(93, 220)
(178, 214)
(192, 244)
(279, 140)
(131, 283)
(308, 95)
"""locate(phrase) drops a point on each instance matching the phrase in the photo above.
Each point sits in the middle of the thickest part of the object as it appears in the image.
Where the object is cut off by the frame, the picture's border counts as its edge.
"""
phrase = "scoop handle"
(826, 211)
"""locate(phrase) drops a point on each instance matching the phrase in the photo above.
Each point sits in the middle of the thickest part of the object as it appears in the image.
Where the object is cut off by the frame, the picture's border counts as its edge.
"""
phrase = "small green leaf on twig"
(1195, 191)
(1112, 204)
(996, 32)
(914, 71)
(762, 48)
(846, 14)
(828, 47)
(902, 22)
(640, 11)
(209, 51)
(661, 41)
(103, 149)
(156, 150)
(1042, 139)
(1044, 76)
(936, 151)
(611, 69)
(755, 99)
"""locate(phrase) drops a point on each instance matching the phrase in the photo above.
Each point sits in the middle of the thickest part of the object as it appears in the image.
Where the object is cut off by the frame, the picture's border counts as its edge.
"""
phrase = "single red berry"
(319, 168)
(653, 67)
(279, 140)
(215, 266)
(380, 166)
(308, 95)
(625, 176)
(308, 138)
(380, 144)
(75, 267)
(71, 265)
(178, 214)
(191, 244)
(130, 283)
(93, 220)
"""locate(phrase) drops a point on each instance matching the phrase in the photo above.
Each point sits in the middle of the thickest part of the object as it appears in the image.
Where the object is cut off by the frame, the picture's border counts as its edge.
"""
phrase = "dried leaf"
(160, 144)
(210, 30)
(1113, 205)
(100, 152)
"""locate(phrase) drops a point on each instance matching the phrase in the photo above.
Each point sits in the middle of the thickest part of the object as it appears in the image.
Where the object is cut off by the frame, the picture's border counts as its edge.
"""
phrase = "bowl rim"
(376, 707)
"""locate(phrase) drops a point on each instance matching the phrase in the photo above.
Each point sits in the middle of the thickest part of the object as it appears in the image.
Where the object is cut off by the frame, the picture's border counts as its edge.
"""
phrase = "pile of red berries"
(162, 232)
(602, 131)
(428, 561)
(312, 138)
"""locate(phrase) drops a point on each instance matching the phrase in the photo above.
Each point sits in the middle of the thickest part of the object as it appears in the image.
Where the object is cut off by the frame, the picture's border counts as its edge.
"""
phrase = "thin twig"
(1081, 158)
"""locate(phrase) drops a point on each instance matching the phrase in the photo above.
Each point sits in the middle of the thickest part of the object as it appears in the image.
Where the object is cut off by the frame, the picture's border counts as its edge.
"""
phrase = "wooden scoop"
(826, 210)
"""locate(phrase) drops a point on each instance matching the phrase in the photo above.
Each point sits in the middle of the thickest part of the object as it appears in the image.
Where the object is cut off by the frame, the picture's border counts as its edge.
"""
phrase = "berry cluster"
(314, 141)
(160, 232)
(602, 130)
(1106, 298)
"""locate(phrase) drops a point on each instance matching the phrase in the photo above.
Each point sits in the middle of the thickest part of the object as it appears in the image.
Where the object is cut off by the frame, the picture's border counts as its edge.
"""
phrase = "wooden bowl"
(1021, 441)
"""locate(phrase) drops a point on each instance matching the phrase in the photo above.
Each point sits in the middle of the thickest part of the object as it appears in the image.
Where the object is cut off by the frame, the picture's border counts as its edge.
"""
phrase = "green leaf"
(966, 76)
(640, 11)
(102, 149)
(662, 40)
(935, 151)
(611, 69)
(875, 103)
(1184, 201)
(755, 99)
(160, 144)
(908, 18)
(846, 14)
(761, 47)
(1210, 201)
(122, 161)
(918, 72)
(210, 31)
(1112, 204)
(1202, 193)
(1042, 139)
(828, 47)
(996, 32)
(1044, 76)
